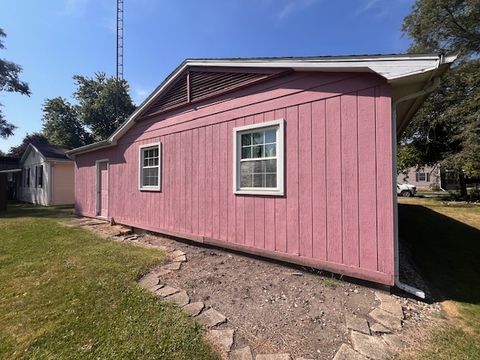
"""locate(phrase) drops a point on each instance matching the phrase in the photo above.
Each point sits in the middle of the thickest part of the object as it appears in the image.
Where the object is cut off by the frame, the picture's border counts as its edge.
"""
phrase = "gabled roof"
(48, 152)
(406, 73)
(9, 162)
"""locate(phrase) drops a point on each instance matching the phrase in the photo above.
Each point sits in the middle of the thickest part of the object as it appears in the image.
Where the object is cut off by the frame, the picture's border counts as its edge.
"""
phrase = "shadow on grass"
(17, 209)
(446, 251)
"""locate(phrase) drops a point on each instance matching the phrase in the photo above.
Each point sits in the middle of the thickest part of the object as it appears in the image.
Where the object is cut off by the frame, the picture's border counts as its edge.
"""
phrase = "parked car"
(406, 190)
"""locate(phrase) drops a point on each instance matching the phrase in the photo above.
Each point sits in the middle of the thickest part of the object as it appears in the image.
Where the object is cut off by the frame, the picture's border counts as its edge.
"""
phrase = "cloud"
(378, 8)
(367, 5)
(291, 6)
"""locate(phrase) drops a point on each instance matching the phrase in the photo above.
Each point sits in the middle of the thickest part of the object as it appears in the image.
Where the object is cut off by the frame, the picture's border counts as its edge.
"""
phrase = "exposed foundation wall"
(337, 211)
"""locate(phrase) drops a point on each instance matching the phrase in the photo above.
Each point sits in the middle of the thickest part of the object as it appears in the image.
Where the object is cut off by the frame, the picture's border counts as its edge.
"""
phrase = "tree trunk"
(462, 184)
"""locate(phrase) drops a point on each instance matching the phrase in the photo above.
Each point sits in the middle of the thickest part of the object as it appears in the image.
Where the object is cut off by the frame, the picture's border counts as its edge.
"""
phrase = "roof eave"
(340, 63)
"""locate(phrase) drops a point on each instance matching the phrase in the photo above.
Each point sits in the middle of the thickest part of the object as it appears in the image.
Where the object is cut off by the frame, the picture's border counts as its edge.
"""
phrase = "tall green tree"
(98, 106)
(61, 124)
(34, 138)
(9, 82)
(446, 129)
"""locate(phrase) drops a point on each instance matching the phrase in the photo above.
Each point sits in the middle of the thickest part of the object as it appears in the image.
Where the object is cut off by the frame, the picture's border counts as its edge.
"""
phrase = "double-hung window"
(258, 158)
(39, 176)
(149, 171)
(422, 176)
(27, 177)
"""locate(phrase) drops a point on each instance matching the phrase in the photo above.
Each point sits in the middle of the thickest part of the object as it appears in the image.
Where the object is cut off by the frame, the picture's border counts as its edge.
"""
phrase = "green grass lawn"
(445, 243)
(65, 293)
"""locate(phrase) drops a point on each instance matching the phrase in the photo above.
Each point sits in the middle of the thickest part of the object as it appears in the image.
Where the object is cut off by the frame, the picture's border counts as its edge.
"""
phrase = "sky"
(55, 39)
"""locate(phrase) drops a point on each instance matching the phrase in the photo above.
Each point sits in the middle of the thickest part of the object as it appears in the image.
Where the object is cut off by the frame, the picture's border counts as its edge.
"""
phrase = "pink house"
(270, 156)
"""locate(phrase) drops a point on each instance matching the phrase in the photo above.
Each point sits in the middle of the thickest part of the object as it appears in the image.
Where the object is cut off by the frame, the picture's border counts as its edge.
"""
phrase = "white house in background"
(424, 178)
(47, 176)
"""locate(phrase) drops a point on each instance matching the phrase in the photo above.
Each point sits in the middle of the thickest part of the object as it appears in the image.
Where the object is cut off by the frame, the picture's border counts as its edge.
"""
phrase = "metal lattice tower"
(119, 40)
(119, 75)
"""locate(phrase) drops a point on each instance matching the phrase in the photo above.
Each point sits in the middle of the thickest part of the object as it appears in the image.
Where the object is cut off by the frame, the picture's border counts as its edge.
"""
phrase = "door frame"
(99, 189)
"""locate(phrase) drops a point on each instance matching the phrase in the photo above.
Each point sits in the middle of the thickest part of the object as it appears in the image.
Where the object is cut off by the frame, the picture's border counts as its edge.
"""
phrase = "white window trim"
(237, 132)
(140, 167)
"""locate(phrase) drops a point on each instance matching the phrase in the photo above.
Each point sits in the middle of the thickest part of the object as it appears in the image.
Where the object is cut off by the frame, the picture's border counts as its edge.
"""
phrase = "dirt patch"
(275, 307)
(450, 309)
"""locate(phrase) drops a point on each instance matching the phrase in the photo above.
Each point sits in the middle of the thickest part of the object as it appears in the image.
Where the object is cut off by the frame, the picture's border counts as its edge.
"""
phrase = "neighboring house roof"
(48, 152)
(407, 74)
(9, 162)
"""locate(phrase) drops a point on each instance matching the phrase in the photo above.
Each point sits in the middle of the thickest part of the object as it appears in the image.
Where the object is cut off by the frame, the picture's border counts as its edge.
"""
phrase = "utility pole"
(119, 74)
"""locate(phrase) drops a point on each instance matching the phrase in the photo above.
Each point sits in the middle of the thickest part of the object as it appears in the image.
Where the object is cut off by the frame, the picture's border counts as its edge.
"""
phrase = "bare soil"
(276, 307)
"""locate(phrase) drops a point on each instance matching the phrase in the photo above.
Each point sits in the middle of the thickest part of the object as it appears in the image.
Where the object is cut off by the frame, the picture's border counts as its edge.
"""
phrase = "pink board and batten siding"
(337, 212)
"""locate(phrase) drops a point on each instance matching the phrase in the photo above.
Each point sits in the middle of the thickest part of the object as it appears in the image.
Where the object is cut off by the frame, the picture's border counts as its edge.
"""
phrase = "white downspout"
(410, 289)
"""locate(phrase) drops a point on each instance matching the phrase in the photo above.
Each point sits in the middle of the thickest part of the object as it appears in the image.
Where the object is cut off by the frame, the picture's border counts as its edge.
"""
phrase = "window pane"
(150, 177)
(271, 166)
(259, 166)
(246, 180)
(257, 138)
(246, 139)
(258, 151)
(246, 152)
(258, 180)
(271, 180)
(270, 150)
(246, 167)
(271, 136)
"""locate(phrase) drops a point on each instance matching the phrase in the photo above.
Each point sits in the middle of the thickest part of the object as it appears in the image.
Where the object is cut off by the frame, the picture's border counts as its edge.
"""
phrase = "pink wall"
(335, 215)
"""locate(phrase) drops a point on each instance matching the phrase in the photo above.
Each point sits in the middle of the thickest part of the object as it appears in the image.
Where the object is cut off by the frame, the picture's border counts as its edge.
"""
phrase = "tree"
(34, 138)
(61, 124)
(446, 129)
(9, 82)
(97, 104)
(444, 26)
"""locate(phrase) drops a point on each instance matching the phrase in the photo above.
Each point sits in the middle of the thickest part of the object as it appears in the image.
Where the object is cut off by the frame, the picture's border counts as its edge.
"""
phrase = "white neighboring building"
(424, 178)
(47, 176)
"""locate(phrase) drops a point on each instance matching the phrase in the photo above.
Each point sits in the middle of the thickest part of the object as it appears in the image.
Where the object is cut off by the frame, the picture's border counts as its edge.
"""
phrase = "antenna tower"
(119, 74)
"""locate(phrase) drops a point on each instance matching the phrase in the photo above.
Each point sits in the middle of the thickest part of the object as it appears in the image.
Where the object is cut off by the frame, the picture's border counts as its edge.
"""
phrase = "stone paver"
(386, 319)
(393, 341)
(241, 354)
(222, 338)
(393, 308)
(379, 328)
(357, 324)
(148, 281)
(382, 296)
(176, 253)
(347, 353)
(172, 266)
(273, 357)
(211, 318)
(180, 298)
(181, 258)
(194, 309)
(370, 346)
(166, 291)
(162, 272)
